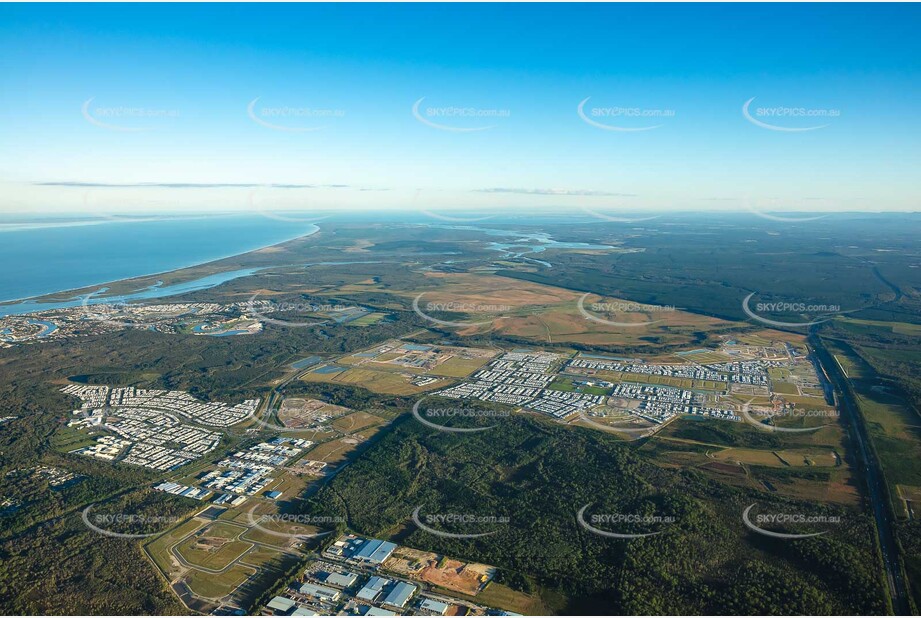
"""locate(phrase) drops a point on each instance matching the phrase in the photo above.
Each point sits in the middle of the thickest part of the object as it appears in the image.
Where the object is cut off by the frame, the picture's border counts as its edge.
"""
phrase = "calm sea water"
(50, 257)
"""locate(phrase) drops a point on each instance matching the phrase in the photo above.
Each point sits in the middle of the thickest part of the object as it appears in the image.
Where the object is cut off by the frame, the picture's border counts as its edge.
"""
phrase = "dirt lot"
(296, 412)
(465, 577)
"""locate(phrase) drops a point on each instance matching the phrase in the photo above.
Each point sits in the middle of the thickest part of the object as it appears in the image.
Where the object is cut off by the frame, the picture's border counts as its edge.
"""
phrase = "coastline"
(72, 292)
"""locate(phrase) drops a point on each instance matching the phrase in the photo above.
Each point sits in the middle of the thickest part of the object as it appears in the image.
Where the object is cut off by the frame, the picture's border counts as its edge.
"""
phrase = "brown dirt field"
(335, 451)
(908, 492)
(733, 469)
(264, 292)
(368, 432)
(567, 325)
(766, 336)
(561, 321)
(359, 246)
(301, 412)
(455, 575)
(558, 311)
(356, 421)
(465, 578)
(387, 382)
(502, 596)
(491, 290)
(682, 459)
(841, 489)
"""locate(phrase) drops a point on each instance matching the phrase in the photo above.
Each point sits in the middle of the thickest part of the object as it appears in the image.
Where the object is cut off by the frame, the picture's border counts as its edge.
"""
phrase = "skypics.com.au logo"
(786, 119)
(123, 118)
(418, 204)
(620, 307)
(746, 414)
(622, 119)
(625, 432)
(287, 203)
(622, 520)
(467, 308)
(759, 522)
(426, 523)
(286, 307)
(301, 119)
(801, 210)
(458, 119)
(107, 523)
(823, 312)
(118, 312)
(294, 526)
(441, 412)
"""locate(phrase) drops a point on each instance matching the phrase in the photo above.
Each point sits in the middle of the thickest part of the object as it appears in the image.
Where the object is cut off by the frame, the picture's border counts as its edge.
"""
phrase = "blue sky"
(98, 95)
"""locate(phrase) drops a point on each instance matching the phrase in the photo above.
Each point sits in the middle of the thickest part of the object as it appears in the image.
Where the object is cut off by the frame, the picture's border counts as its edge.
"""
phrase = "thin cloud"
(184, 185)
(556, 192)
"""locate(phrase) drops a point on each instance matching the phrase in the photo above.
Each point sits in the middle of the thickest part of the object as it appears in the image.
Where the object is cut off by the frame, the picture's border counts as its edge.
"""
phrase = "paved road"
(877, 492)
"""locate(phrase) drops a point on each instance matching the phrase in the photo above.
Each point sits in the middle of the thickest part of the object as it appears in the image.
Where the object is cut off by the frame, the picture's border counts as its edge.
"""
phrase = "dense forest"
(59, 566)
(538, 475)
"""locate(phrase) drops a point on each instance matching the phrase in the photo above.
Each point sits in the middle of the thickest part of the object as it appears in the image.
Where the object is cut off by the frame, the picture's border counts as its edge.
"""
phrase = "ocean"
(48, 256)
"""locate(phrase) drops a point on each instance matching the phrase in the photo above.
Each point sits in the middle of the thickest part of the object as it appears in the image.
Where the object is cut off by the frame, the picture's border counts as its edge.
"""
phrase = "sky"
(635, 107)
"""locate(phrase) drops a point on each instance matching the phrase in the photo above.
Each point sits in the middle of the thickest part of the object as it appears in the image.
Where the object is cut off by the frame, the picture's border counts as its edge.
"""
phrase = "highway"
(877, 493)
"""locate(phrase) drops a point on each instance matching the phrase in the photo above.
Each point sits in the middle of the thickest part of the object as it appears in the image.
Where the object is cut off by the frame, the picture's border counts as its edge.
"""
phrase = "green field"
(457, 367)
(262, 557)
(214, 547)
(67, 439)
(217, 586)
(562, 384)
(784, 388)
(892, 424)
(779, 373)
(387, 382)
(264, 533)
(159, 547)
(705, 358)
(642, 378)
(779, 458)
